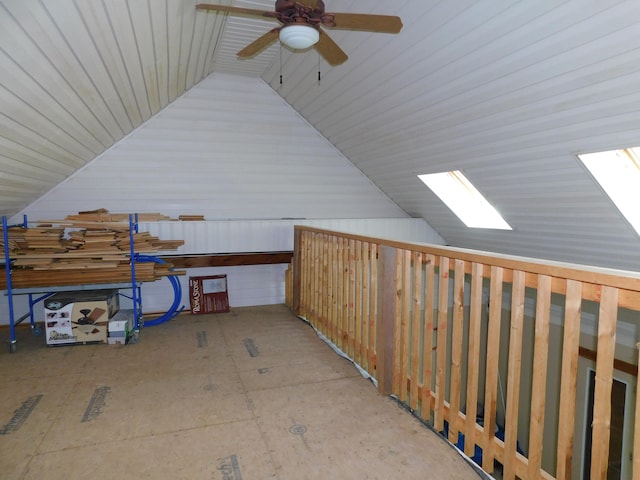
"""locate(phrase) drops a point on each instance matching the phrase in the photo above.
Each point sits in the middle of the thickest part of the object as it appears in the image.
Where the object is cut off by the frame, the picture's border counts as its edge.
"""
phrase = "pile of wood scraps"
(103, 215)
(103, 219)
(91, 247)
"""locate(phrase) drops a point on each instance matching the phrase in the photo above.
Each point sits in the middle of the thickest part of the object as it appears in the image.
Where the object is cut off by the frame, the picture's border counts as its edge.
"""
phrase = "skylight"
(618, 173)
(457, 192)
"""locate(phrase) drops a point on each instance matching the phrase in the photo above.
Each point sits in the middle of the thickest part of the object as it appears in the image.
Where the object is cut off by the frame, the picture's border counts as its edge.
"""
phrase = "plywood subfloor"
(250, 394)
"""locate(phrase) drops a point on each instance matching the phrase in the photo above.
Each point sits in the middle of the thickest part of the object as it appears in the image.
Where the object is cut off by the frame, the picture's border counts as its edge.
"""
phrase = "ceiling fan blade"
(367, 23)
(330, 50)
(236, 10)
(260, 43)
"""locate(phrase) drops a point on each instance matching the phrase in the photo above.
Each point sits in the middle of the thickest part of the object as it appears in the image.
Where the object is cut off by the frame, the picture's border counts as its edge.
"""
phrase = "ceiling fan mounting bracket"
(288, 12)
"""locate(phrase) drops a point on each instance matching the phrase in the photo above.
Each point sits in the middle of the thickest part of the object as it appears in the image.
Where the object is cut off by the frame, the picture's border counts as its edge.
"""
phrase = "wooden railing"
(463, 339)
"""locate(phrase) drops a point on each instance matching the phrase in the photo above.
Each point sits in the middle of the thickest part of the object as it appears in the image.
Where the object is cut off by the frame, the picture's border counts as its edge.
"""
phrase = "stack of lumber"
(44, 239)
(87, 248)
(121, 273)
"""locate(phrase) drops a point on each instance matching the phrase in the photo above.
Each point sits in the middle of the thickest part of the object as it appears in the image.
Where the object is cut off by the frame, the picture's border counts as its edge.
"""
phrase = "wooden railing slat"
(397, 326)
(604, 382)
(315, 291)
(405, 324)
(352, 300)
(456, 347)
(306, 273)
(441, 345)
(570, 346)
(475, 325)
(357, 312)
(427, 360)
(539, 381)
(416, 324)
(491, 381)
(334, 288)
(324, 282)
(373, 321)
(364, 317)
(514, 374)
(344, 321)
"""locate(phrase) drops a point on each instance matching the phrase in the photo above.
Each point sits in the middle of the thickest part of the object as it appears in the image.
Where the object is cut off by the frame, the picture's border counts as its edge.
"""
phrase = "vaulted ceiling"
(508, 92)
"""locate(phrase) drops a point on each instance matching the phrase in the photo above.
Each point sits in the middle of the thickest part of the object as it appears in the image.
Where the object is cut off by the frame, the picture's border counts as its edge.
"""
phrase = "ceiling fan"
(301, 21)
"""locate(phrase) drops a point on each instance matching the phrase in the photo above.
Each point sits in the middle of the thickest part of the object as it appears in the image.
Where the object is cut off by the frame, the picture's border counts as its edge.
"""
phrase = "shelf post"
(7, 271)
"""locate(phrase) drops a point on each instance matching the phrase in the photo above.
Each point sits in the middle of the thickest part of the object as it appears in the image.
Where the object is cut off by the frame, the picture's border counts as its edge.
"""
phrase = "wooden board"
(569, 375)
(473, 362)
(539, 381)
(604, 381)
(441, 346)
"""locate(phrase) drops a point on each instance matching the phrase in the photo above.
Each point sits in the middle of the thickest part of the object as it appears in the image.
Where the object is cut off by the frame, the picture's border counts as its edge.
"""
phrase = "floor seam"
(251, 406)
(37, 452)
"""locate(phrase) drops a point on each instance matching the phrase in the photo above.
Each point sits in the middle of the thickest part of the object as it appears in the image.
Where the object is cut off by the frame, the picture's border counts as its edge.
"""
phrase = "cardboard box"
(79, 317)
(121, 324)
(208, 294)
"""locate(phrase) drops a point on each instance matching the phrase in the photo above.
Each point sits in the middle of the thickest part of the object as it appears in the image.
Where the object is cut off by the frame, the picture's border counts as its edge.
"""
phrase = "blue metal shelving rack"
(46, 292)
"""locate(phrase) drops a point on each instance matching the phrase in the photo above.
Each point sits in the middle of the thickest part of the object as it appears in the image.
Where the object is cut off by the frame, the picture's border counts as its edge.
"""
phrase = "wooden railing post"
(297, 269)
(387, 299)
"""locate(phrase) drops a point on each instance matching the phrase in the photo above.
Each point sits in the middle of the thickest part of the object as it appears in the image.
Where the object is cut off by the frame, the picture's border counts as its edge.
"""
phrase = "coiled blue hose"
(174, 310)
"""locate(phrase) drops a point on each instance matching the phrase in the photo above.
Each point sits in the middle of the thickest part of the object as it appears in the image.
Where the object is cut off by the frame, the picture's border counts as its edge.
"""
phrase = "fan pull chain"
(281, 64)
(319, 75)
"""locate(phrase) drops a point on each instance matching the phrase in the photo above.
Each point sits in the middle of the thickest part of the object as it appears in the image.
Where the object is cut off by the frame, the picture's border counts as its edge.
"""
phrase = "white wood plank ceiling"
(508, 92)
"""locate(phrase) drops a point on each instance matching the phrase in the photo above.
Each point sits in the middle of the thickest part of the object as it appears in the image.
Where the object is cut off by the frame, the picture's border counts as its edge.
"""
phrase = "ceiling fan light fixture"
(299, 37)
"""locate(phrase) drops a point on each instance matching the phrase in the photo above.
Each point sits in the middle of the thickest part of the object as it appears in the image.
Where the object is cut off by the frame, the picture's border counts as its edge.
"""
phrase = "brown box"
(208, 294)
(79, 317)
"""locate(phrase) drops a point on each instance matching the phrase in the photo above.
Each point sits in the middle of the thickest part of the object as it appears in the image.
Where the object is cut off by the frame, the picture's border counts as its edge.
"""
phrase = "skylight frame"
(618, 174)
(464, 200)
